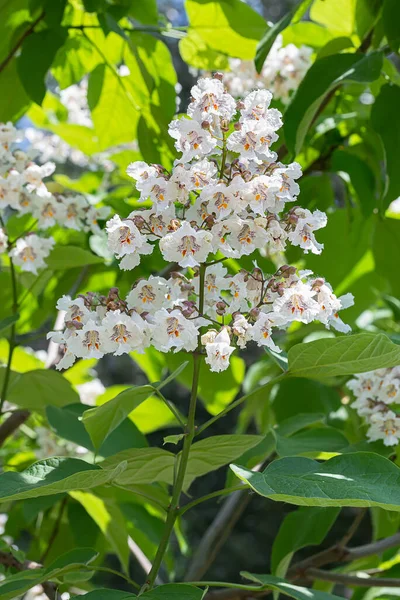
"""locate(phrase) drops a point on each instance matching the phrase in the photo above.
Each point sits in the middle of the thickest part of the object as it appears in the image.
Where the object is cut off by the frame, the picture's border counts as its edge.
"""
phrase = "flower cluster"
(282, 72)
(224, 198)
(22, 191)
(377, 394)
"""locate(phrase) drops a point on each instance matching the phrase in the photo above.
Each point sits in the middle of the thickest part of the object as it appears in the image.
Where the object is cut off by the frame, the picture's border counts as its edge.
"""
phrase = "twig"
(350, 580)
(55, 530)
(11, 424)
(19, 43)
(353, 527)
(216, 494)
(11, 340)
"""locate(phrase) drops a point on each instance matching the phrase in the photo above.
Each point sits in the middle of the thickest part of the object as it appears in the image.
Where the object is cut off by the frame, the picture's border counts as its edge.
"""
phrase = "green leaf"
(384, 119)
(110, 520)
(391, 23)
(174, 591)
(359, 479)
(173, 439)
(385, 249)
(145, 12)
(7, 322)
(70, 257)
(37, 54)
(272, 33)
(362, 178)
(346, 355)
(198, 54)
(301, 528)
(54, 476)
(313, 443)
(322, 77)
(37, 389)
(336, 15)
(269, 582)
(216, 390)
(73, 60)
(12, 106)
(143, 466)
(103, 420)
(103, 594)
(215, 452)
(229, 26)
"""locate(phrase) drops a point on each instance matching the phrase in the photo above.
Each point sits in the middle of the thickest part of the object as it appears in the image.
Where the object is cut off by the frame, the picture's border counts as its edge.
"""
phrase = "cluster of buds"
(377, 397)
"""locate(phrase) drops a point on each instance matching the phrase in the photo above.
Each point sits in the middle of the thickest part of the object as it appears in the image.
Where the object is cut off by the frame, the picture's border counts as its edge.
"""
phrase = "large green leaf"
(269, 582)
(101, 421)
(12, 106)
(197, 53)
(359, 479)
(304, 527)
(314, 442)
(37, 389)
(385, 250)
(54, 476)
(143, 466)
(229, 26)
(346, 355)
(103, 594)
(215, 452)
(73, 60)
(272, 33)
(110, 520)
(385, 121)
(338, 15)
(37, 54)
(325, 75)
(391, 23)
(361, 176)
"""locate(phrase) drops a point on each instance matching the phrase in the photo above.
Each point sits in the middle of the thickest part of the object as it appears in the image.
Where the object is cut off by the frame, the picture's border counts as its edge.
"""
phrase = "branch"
(9, 561)
(19, 43)
(350, 580)
(10, 425)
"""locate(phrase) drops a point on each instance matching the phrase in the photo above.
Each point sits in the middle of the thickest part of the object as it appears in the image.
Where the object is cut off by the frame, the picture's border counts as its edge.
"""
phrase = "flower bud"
(258, 274)
(210, 221)
(139, 221)
(188, 308)
(220, 308)
(205, 125)
(240, 105)
(254, 313)
(224, 125)
(218, 75)
(237, 126)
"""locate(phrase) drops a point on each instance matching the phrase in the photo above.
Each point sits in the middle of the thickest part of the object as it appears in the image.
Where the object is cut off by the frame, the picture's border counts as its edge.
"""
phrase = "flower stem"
(11, 341)
(190, 429)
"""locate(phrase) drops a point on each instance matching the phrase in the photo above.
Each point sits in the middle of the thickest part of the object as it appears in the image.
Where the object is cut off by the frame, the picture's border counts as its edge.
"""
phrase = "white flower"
(34, 174)
(75, 310)
(75, 211)
(123, 333)
(384, 426)
(210, 100)
(149, 295)
(297, 303)
(10, 189)
(276, 236)
(48, 211)
(141, 172)
(94, 215)
(262, 329)
(90, 391)
(3, 241)
(8, 134)
(307, 223)
(218, 352)
(253, 140)
(87, 342)
(125, 240)
(242, 329)
(202, 173)
(171, 330)
(191, 139)
(29, 252)
(186, 246)
(237, 237)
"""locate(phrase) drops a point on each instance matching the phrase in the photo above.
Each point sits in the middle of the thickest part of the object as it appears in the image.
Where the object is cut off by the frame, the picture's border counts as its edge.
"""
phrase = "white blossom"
(218, 352)
(88, 341)
(191, 139)
(186, 246)
(123, 333)
(386, 427)
(3, 241)
(126, 241)
(149, 295)
(171, 330)
(29, 252)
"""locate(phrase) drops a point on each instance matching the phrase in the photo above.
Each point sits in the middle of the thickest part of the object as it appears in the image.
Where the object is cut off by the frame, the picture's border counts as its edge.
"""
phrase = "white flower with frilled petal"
(297, 303)
(159, 191)
(253, 140)
(186, 246)
(171, 330)
(220, 200)
(202, 173)
(384, 426)
(8, 134)
(276, 236)
(242, 329)
(303, 234)
(34, 175)
(75, 207)
(191, 139)
(211, 101)
(10, 189)
(335, 321)
(75, 310)
(239, 237)
(95, 214)
(149, 295)
(141, 172)
(123, 333)
(87, 342)
(126, 241)
(48, 211)
(239, 294)
(262, 329)
(256, 106)
(219, 351)
(3, 241)
(29, 252)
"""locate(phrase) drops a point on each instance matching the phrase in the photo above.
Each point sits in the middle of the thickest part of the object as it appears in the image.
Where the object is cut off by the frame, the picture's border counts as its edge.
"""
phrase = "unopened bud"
(218, 75)
(174, 224)
(205, 125)
(210, 221)
(113, 293)
(138, 221)
(317, 283)
(237, 126)
(254, 313)
(240, 105)
(292, 218)
(246, 176)
(224, 125)
(220, 308)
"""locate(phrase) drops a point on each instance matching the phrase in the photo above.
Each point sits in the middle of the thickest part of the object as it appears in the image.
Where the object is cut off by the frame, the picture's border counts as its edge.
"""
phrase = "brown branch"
(9, 561)
(353, 580)
(10, 425)
(19, 42)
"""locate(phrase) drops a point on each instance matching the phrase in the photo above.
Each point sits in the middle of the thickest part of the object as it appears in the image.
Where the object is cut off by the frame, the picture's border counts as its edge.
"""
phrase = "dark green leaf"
(54, 11)
(12, 106)
(346, 355)
(361, 176)
(269, 582)
(391, 23)
(385, 121)
(324, 76)
(7, 322)
(37, 54)
(70, 257)
(313, 442)
(359, 479)
(37, 389)
(385, 249)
